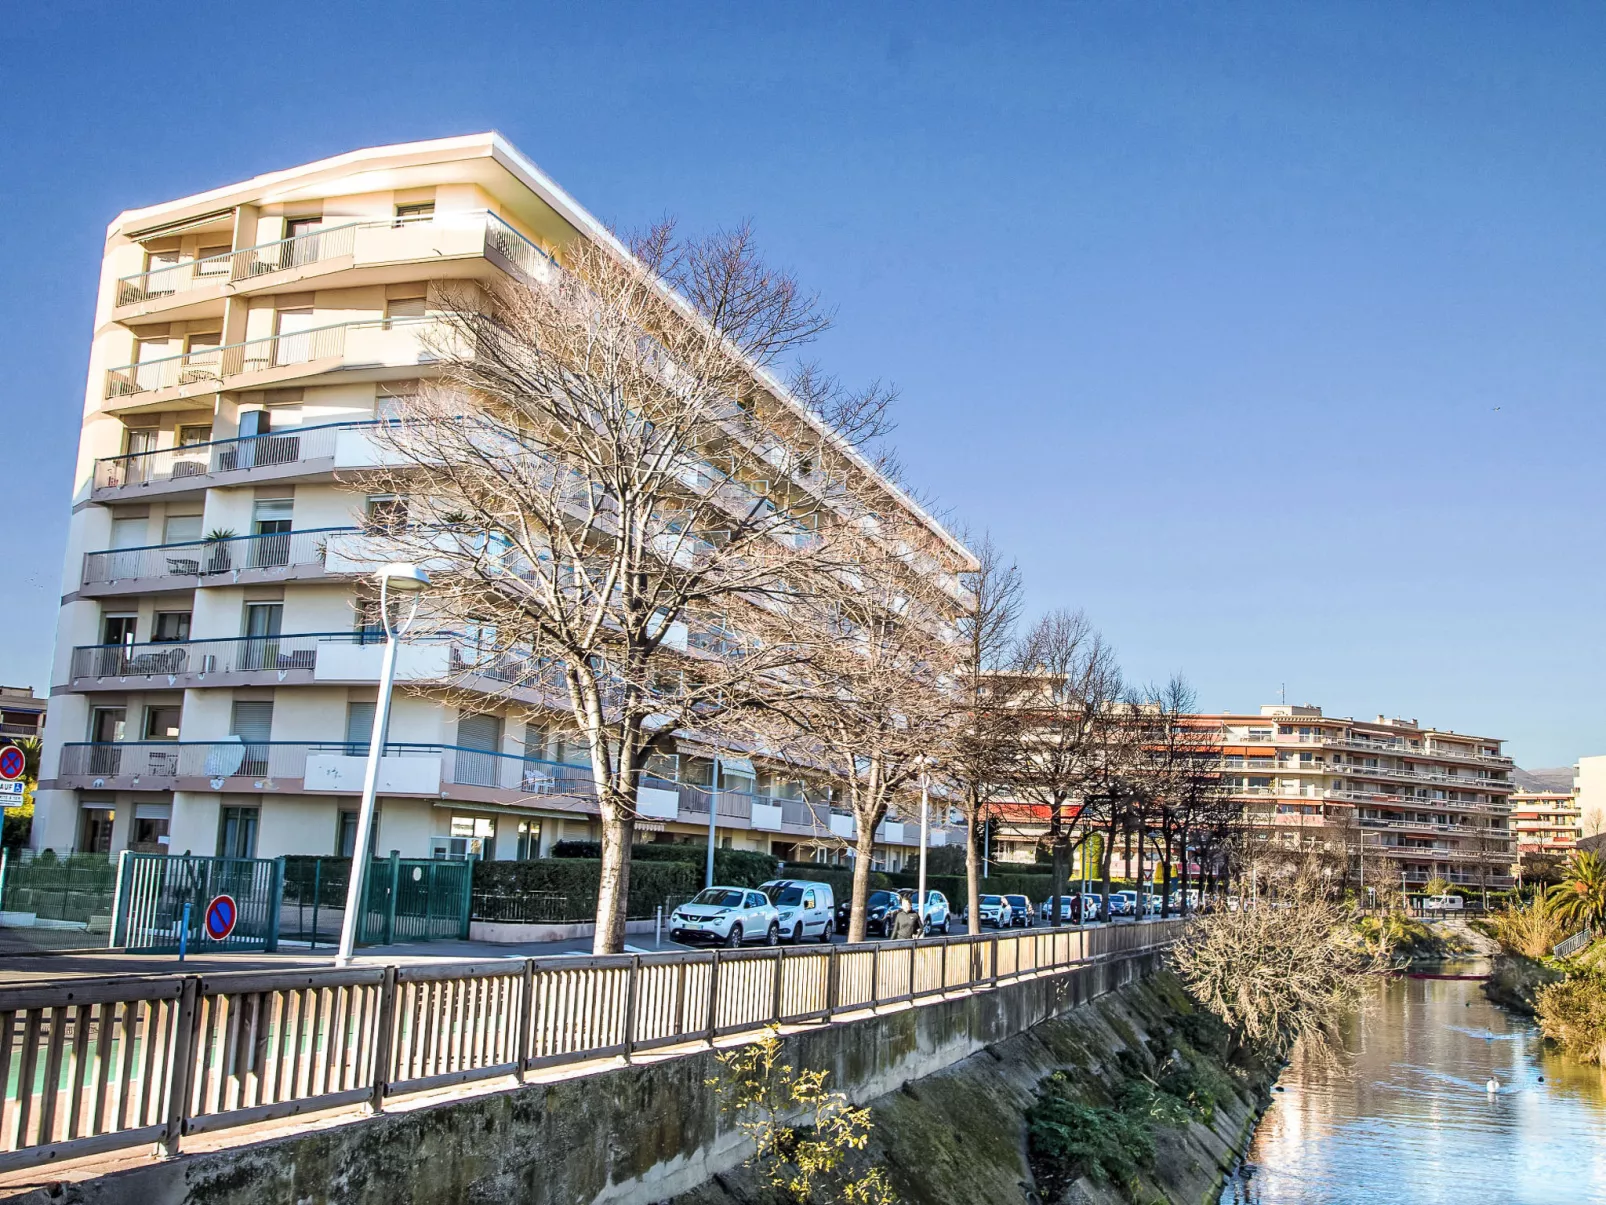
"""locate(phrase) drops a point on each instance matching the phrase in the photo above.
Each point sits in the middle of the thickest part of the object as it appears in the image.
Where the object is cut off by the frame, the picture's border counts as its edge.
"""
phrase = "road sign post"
(221, 914)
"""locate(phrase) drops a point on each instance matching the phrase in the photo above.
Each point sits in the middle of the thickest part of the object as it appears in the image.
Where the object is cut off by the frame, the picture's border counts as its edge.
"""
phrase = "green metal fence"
(55, 901)
(408, 899)
(155, 890)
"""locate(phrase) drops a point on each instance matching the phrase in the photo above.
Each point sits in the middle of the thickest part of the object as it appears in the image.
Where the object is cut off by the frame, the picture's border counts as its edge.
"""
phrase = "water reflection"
(1410, 1121)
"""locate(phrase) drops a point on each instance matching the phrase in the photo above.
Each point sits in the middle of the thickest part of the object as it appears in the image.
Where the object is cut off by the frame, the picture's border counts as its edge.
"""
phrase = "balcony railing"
(222, 456)
(326, 243)
(278, 256)
(168, 658)
(199, 559)
(216, 364)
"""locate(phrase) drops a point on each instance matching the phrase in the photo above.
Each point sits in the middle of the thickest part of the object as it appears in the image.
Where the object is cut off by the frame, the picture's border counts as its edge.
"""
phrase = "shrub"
(1572, 1013)
(733, 867)
(1074, 1139)
(1530, 929)
(576, 879)
(1037, 887)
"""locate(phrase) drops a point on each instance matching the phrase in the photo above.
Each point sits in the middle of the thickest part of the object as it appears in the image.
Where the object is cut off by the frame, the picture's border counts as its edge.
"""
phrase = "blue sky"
(1270, 335)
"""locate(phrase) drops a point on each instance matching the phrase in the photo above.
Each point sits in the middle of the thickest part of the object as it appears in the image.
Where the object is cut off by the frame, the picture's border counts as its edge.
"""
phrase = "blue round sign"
(220, 917)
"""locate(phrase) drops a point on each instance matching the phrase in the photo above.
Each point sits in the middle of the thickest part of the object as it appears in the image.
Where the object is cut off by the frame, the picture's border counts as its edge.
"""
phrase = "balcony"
(275, 557)
(288, 659)
(300, 452)
(234, 764)
(352, 245)
(371, 345)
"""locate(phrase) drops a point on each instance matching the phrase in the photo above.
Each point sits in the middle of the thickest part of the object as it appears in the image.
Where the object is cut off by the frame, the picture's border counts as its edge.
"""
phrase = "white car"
(1443, 903)
(728, 916)
(806, 907)
(934, 916)
(994, 910)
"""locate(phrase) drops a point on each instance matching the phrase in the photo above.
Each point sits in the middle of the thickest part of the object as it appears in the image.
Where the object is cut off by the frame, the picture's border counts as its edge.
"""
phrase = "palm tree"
(1580, 897)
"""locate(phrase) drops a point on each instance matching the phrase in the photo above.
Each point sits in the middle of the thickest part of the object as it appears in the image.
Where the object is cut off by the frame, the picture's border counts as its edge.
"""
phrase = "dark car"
(875, 913)
(1022, 911)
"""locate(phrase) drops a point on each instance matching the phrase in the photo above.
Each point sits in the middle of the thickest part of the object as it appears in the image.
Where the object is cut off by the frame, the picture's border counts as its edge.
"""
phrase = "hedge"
(732, 867)
(576, 879)
(1036, 887)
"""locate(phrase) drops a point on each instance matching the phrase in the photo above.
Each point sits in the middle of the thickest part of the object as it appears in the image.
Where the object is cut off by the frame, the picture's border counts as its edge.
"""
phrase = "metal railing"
(167, 659)
(1570, 946)
(153, 761)
(214, 364)
(89, 1066)
(328, 242)
(202, 558)
(316, 246)
(221, 456)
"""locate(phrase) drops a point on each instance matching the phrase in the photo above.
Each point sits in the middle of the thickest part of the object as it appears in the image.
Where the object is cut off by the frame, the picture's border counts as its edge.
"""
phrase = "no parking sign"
(221, 914)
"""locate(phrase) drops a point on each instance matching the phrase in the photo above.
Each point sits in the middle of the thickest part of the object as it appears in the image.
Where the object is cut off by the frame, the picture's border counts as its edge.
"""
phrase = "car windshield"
(881, 897)
(719, 897)
(1018, 900)
(991, 900)
(792, 896)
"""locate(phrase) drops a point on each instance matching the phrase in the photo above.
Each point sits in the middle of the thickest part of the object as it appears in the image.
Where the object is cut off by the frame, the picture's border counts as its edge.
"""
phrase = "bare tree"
(880, 674)
(1066, 695)
(613, 494)
(980, 759)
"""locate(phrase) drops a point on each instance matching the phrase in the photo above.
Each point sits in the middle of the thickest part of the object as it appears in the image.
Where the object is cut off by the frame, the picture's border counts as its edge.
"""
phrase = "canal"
(1410, 1120)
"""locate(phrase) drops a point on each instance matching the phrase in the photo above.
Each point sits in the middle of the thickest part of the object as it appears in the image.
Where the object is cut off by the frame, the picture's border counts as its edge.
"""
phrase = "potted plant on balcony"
(219, 558)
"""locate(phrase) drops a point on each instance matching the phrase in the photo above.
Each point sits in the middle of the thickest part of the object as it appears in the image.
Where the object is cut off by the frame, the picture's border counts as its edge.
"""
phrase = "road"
(19, 968)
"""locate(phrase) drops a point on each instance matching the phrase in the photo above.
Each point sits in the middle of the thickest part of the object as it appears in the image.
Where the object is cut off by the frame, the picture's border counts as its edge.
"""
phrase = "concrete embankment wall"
(630, 1135)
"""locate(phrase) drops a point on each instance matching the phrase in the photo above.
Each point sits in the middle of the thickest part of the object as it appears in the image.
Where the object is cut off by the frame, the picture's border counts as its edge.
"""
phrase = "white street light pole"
(404, 579)
(713, 813)
(925, 836)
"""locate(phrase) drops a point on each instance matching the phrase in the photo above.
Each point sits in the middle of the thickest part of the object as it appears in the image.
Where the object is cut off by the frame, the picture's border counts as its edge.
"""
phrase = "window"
(107, 724)
(162, 723)
(418, 211)
(118, 629)
(270, 520)
(529, 845)
(346, 835)
(95, 830)
(181, 529)
(252, 722)
(213, 261)
(189, 437)
(260, 649)
(359, 727)
(171, 627)
(399, 308)
(237, 832)
(478, 835)
(385, 512)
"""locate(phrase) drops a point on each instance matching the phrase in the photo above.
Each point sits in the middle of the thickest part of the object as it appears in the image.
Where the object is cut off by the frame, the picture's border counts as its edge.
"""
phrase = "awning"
(172, 228)
(737, 765)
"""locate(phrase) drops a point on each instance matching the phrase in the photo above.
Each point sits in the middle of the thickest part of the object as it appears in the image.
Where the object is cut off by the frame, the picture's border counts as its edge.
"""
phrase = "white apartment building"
(214, 684)
(1422, 803)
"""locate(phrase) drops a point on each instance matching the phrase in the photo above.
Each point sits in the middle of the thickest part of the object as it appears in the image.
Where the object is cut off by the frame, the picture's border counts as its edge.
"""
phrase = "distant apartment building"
(21, 715)
(1543, 823)
(214, 682)
(1589, 790)
(1420, 802)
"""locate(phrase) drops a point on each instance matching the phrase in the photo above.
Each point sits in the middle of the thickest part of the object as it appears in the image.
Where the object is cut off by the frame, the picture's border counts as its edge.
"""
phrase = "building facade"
(1416, 803)
(21, 714)
(1544, 824)
(214, 683)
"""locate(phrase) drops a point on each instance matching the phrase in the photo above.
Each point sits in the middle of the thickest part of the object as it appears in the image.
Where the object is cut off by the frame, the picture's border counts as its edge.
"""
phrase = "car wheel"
(825, 935)
(772, 936)
(797, 934)
(944, 929)
(735, 937)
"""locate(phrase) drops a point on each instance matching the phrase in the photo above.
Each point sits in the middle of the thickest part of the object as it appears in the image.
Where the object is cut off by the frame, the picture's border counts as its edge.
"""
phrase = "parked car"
(993, 910)
(934, 916)
(875, 910)
(806, 907)
(1073, 909)
(1152, 904)
(1123, 903)
(1443, 903)
(728, 916)
(1022, 911)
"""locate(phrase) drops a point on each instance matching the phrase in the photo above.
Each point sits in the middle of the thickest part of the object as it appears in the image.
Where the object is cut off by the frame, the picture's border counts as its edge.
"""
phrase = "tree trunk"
(1104, 860)
(973, 871)
(613, 888)
(1183, 898)
(1165, 878)
(1060, 845)
(864, 846)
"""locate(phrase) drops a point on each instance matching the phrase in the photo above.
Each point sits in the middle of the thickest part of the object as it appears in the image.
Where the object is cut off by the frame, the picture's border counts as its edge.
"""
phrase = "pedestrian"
(906, 924)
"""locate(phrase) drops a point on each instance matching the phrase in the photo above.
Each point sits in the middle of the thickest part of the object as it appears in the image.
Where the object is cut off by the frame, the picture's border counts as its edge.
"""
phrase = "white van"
(807, 908)
(1442, 903)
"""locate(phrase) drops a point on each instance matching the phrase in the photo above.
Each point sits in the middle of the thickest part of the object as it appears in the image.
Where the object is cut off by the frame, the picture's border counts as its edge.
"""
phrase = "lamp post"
(402, 579)
(925, 836)
(713, 820)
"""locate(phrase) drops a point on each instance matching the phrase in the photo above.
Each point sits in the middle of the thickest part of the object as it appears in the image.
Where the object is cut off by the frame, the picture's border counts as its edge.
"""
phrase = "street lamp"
(403, 579)
(925, 837)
